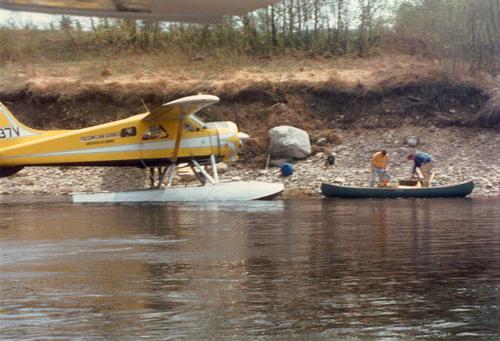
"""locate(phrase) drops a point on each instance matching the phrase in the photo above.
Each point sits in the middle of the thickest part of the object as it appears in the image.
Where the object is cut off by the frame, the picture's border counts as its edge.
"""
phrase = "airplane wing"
(181, 108)
(198, 11)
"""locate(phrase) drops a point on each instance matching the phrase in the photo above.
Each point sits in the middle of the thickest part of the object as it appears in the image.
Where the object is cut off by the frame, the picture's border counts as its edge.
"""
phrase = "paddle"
(431, 178)
(419, 173)
(420, 176)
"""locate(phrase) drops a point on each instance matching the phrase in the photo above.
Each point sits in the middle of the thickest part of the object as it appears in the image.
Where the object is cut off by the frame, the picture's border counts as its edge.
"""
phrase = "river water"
(269, 270)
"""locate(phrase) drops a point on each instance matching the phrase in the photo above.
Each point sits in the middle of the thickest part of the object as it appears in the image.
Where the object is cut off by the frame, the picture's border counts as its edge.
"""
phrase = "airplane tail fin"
(11, 128)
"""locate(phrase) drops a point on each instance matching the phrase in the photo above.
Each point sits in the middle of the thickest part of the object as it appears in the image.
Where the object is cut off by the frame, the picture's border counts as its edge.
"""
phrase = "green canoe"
(337, 191)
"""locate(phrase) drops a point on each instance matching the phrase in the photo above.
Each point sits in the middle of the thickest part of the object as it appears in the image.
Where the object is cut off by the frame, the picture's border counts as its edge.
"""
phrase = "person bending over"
(423, 165)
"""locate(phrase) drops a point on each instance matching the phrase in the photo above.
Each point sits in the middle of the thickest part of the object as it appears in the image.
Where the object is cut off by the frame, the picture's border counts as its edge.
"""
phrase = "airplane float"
(161, 138)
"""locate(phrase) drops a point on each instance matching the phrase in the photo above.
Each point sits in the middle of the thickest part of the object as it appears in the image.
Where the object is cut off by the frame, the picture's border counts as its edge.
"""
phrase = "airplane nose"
(231, 137)
(242, 137)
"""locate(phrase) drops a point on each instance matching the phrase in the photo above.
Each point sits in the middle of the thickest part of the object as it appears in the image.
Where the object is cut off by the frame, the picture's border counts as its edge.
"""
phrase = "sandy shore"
(461, 153)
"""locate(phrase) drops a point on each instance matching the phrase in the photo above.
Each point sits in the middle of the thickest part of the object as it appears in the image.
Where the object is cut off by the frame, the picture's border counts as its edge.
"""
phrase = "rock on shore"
(461, 154)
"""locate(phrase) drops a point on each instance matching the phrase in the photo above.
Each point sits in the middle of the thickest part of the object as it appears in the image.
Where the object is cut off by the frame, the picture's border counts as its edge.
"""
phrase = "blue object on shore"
(286, 169)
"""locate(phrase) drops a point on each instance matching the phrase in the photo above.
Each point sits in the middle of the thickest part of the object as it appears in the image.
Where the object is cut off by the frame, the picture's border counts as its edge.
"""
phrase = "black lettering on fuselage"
(9, 132)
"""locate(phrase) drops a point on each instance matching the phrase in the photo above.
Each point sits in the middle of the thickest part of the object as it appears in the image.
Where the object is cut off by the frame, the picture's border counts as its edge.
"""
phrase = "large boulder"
(289, 142)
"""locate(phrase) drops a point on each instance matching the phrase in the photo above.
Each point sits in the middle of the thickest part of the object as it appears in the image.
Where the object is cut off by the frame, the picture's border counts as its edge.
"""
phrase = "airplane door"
(200, 142)
(155, 141)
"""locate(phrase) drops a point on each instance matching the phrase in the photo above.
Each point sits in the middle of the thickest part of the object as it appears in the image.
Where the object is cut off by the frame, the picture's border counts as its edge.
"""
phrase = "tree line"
(465, 31)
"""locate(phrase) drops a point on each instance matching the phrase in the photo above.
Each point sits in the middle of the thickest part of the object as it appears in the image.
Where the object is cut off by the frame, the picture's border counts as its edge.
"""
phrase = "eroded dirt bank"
(311, 106)
(355, 120)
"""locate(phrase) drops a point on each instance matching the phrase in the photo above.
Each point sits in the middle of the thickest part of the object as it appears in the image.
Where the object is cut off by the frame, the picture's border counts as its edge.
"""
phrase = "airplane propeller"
(243, 136)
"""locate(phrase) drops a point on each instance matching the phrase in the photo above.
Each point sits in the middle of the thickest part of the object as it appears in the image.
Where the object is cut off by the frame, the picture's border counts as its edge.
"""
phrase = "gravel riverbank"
(461, 153)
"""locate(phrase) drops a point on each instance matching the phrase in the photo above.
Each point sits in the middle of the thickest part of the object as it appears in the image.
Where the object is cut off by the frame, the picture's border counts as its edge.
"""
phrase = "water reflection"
(264, 270)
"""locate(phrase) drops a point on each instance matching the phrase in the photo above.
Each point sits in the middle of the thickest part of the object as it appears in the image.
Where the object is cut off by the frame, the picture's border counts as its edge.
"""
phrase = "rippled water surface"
(298, 269)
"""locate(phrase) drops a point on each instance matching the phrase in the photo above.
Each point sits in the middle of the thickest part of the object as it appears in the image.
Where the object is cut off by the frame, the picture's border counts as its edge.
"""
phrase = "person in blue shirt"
(423, 164)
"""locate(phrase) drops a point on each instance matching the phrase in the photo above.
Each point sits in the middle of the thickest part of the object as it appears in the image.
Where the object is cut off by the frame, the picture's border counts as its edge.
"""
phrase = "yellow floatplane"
(160, 139)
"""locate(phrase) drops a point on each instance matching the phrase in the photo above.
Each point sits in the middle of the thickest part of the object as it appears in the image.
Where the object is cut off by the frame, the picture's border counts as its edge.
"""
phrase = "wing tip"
(209, 99)
(184, 106)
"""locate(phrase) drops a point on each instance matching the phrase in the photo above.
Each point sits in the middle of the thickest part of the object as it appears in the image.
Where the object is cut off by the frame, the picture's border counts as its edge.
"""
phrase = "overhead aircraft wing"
(181, 108)
(197, 11)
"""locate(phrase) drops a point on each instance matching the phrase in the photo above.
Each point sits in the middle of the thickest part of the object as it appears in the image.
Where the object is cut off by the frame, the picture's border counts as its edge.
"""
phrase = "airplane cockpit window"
(126, 132)
(155, 132)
